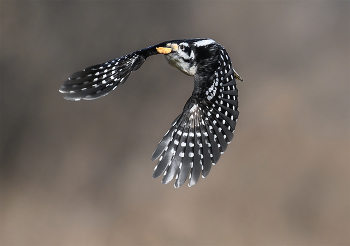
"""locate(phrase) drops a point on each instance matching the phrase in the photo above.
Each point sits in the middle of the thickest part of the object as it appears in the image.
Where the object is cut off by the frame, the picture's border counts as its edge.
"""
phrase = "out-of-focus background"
(79, 173)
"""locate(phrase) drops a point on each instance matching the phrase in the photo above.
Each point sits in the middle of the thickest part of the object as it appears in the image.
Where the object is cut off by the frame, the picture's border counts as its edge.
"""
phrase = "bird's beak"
(163, 50)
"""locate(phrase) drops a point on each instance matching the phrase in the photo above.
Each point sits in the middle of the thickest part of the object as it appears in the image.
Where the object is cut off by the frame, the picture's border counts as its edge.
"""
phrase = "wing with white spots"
(199, 136)
(179, 151)
(97, 81)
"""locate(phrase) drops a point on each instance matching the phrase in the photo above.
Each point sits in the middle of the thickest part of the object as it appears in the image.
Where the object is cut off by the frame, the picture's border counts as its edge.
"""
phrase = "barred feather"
(97, 81)
(203, 131)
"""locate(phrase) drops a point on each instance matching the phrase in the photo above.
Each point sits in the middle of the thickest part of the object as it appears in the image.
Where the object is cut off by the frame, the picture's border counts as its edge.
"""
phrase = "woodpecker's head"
(186, 55)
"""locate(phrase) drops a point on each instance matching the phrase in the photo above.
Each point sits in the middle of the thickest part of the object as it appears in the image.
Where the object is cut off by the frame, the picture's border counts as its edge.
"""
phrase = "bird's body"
(201, 133)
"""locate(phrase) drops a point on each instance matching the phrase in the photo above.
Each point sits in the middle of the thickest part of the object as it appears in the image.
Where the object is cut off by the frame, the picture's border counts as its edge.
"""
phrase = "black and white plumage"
(201, 133)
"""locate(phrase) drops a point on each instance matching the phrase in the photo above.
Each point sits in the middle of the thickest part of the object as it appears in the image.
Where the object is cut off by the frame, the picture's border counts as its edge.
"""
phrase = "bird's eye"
(185, 48)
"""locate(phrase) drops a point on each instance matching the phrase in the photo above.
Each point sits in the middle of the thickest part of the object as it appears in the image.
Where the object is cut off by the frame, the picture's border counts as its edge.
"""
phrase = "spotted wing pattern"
(97, 81)
(201, 133)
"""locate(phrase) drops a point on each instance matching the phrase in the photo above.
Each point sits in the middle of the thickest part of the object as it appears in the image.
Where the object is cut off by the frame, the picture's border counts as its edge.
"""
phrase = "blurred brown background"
(79, 173)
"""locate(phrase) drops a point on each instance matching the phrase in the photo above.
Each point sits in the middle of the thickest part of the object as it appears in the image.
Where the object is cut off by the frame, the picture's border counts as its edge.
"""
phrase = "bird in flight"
(201, 133)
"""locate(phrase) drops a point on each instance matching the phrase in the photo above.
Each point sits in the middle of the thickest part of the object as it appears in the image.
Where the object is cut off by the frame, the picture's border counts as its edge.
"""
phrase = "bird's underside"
(201, 133)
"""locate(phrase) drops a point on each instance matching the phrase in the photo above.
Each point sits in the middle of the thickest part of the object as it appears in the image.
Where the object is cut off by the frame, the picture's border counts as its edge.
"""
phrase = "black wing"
(201, 133)
(98, 80)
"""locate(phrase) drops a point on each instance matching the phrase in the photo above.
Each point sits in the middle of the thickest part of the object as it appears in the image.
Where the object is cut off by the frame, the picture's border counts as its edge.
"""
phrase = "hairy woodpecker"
(201, 133)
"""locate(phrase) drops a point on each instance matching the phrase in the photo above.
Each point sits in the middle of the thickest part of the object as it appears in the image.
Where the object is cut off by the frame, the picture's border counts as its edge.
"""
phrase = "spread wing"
(98, 80)
(201, 133)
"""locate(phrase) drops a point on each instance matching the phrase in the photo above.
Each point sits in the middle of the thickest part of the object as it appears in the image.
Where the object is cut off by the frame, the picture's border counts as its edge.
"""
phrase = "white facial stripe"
(181, 59)
(204, 42)
(184, 54)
